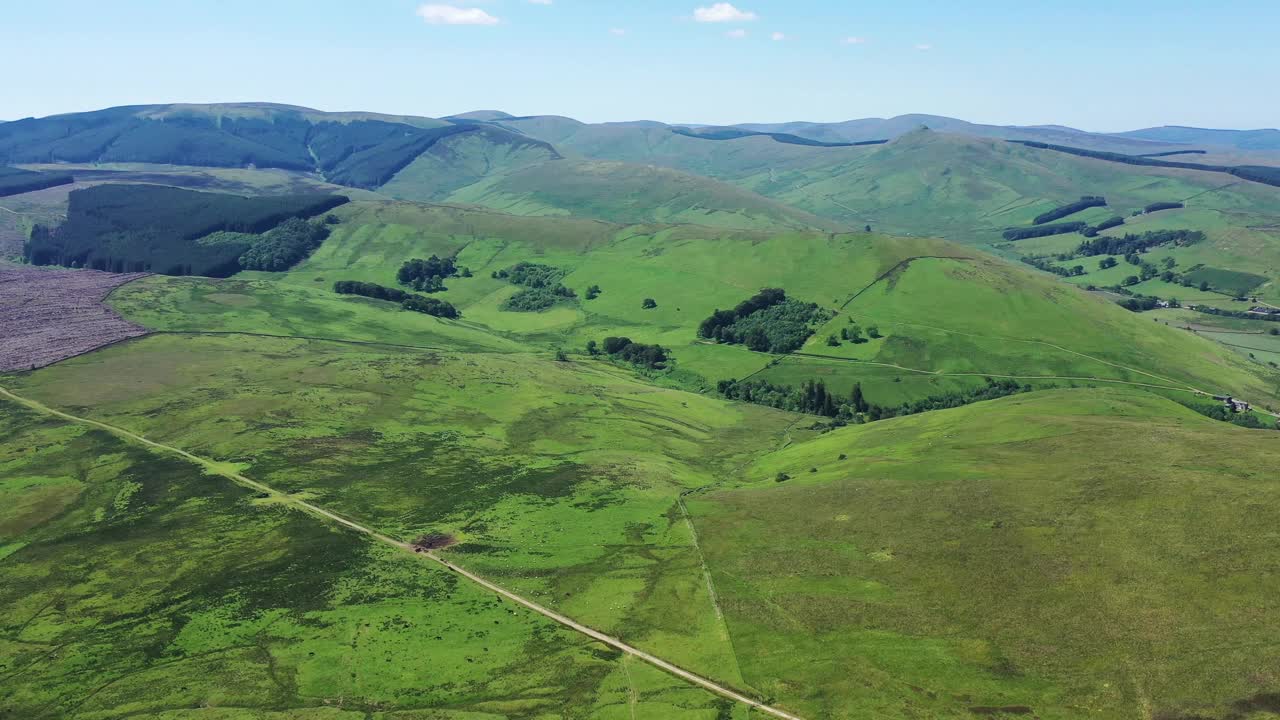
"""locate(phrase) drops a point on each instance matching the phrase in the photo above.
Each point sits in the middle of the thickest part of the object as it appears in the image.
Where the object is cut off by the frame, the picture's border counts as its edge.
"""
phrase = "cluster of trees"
(162, 229)
(284, 246)
(542, 287)
(766, 322)
(1157, 207)
(1170, 153)
(815, 398)
(428, 275)
(534, 300)
(369, 290)
(1130, 244)
(1143, 303)
(431, 306)
(1093, 230)
(15, 181)
(532, 275)
(1084, 203)
(1221, 412)
(853, 334)
(650, 357)
(409, 301)
(1036, 231)
(1255, 173)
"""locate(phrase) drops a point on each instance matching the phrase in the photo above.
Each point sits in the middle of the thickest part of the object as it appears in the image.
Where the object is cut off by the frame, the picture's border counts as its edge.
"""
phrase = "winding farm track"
(226, 471)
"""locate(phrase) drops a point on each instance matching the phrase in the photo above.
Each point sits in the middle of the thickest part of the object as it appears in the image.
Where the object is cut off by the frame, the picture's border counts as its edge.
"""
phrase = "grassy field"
(137, 587)
(1004, 555)
(558, 480)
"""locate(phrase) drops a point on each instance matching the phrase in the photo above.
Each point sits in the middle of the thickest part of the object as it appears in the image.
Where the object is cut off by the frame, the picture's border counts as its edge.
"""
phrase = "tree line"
(1093, 230)
(1026, 233)
(814, 398)
(1130, 244)
(1084, 203)
(1255, 173)
(409, 301)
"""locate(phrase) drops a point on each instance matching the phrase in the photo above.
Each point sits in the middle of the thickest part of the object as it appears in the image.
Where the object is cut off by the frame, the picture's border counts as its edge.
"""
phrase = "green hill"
(625, 193)
(1058, 555)
(949, 316)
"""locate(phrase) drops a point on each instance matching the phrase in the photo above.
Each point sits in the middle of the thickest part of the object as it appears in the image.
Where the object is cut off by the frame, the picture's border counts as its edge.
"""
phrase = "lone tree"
(649, 304)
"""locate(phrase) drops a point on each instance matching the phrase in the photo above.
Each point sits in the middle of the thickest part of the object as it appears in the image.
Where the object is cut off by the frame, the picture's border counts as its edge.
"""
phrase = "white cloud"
(617, 31)
(736, 34)
(453, 15)
(540, 2)
(854, 40)
(924, 46)
(722, 12)
(778, 36)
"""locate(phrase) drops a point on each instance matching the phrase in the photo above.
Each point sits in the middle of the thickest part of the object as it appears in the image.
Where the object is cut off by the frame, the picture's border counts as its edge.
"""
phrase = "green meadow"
(135, 586)
(558, 480)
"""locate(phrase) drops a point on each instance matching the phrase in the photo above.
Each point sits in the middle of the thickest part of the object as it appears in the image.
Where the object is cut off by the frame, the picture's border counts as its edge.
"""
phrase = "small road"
(227, 471)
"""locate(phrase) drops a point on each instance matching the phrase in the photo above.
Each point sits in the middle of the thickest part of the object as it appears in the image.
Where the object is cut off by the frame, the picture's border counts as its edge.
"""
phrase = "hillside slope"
(1067, 554)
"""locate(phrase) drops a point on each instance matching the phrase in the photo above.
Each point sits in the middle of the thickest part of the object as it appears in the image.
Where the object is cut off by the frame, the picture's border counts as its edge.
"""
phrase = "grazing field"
(135, 586)
(1073, 553)
(50, 315)
(558, 480)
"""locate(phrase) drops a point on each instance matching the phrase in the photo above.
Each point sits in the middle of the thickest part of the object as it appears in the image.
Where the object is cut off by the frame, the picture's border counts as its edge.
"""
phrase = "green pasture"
(559, 480)
(135, 586)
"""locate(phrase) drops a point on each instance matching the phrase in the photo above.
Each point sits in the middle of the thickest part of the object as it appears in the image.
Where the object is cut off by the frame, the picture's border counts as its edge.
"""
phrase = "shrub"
(649, 304)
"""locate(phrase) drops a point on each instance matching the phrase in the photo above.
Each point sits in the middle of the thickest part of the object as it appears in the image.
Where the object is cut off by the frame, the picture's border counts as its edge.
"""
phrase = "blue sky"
(1094, 64)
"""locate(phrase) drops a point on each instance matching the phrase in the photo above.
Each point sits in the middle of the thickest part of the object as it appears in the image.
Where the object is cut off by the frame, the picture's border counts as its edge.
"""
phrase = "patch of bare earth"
(433, 541)
(47, 315)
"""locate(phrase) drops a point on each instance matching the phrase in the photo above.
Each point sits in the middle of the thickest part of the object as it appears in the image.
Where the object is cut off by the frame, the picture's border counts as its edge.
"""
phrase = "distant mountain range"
(924, 174)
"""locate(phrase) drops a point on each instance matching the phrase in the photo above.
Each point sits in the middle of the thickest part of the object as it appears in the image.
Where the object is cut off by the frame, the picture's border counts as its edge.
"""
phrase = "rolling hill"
(696, 439)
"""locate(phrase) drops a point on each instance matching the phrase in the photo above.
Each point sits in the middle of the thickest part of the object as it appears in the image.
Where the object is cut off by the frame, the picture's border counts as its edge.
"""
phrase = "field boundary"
(225, 470)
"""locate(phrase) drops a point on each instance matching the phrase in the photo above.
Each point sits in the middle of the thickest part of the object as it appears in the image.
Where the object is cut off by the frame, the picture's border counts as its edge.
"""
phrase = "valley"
(350, 415)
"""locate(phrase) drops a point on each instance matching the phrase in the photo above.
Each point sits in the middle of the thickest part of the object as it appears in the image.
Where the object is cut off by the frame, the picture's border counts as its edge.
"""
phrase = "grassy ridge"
(904, 576)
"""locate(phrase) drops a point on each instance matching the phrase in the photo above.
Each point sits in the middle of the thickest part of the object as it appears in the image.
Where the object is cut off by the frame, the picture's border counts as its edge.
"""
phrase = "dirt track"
(226, 471)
